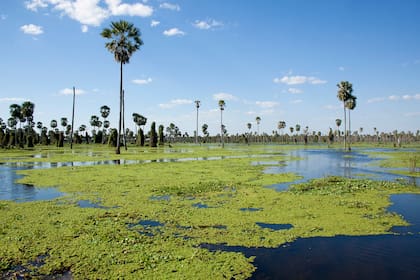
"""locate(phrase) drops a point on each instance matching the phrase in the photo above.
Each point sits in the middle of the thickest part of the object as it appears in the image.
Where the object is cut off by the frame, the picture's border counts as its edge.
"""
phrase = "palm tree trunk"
(345, 126)
(221, 128)
(349, 131)
(120, 117)
(123, 120)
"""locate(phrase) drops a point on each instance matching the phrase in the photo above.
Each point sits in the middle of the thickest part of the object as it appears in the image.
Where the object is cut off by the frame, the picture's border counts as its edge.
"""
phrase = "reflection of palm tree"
(124, 41)
(222, 105)
(345, 90)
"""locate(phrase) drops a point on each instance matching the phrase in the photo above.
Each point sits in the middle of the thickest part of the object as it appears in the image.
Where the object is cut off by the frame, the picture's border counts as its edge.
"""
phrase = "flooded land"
(242, 212)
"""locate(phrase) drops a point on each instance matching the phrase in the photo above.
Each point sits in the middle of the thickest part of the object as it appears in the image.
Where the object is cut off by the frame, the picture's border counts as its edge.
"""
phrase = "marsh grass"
(102, 243)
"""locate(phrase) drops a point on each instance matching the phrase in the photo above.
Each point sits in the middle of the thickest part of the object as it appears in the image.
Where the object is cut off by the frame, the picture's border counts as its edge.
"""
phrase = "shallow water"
(10, 190)
(392, 256)
(332, 162)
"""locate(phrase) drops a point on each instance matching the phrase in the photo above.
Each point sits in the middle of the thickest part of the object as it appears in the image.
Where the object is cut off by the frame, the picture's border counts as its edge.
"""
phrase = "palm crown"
(125, 40)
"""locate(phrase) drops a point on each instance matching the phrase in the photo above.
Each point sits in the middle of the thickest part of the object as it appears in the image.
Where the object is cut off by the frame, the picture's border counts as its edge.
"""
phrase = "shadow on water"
(332, 162)
(390, 256)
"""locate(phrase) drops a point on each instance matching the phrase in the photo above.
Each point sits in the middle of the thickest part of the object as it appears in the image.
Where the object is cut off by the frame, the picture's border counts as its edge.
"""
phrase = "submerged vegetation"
(156, 215)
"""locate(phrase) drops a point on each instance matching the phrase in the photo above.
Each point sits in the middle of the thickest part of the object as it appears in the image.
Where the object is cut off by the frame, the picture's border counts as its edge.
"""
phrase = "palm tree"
(16, 114)
(197, 105)
(222, 105)
(53, 124)
(125, 39)
(104, 110)
(350, 104)
(345, 90)
(28, 111)
(338, 123)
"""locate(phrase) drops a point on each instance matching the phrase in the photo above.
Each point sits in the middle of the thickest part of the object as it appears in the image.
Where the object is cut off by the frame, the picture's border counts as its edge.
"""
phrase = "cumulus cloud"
(142, 81)
(175, 102)
(223, 96)
(297, 80)
(173, 32)
(169, 6)
(154, 23)
(69, 91)
(207, 24)
(85, 28)
(266, 104)
(137, 9)
(31, 29)
(90, 12)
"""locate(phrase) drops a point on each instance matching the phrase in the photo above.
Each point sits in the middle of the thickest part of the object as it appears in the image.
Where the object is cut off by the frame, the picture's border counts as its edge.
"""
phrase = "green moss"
(96, 243)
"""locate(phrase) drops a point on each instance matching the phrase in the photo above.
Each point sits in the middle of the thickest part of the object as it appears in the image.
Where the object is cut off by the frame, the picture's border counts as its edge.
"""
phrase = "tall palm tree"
(222, 105)
(28, 109)
(197, 105)
(125, 39)
(350, 104)
(16, 113)
(258, 120)
(345, 90)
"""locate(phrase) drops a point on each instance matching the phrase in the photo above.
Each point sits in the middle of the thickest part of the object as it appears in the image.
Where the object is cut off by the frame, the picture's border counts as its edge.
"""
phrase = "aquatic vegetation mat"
(154, 217)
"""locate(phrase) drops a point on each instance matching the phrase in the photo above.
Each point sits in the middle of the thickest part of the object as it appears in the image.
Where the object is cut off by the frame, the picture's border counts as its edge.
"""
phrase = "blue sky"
(279, 60)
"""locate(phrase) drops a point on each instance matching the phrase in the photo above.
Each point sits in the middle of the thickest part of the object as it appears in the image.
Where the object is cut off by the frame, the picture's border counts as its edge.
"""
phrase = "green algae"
(97, 243)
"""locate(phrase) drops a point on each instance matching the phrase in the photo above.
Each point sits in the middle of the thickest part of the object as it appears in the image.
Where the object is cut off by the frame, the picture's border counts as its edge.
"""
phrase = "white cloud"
(266, 104)
(169, 6)
(154, 23)
(223, 96)
(394, 97)
(12, 99)
(207, 24)
(137, 9)
(376, 99)
(295, 90)
(35, 4)
(31, 29)
(173, 32)
(174, 103)
(69, 91)
(142, 81)
(85, 28)
(297, 80)
(89, 12)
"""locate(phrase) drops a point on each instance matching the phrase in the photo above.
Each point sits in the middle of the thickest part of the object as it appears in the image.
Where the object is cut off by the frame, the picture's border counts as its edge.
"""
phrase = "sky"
(279, 60)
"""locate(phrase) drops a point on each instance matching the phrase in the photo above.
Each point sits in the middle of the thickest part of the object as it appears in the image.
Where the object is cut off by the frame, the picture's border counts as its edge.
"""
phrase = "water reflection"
(322, 163)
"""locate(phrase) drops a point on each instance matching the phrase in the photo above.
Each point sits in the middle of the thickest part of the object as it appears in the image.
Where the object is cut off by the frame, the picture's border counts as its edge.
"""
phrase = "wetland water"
(392, 256)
